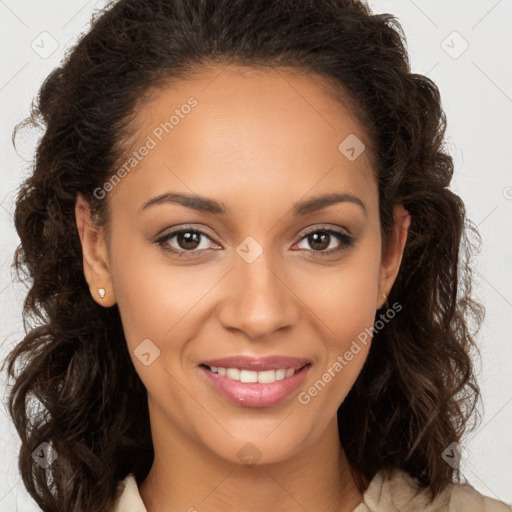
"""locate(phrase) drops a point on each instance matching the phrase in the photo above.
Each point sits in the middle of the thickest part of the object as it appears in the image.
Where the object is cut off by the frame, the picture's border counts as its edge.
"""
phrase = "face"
(255, 268)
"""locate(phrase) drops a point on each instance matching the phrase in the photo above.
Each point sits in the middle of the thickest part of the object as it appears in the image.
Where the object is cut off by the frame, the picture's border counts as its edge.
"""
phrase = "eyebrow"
(205, 204)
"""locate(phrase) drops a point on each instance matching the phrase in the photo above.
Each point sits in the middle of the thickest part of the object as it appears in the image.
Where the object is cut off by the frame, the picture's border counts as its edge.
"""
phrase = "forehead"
(229, 129)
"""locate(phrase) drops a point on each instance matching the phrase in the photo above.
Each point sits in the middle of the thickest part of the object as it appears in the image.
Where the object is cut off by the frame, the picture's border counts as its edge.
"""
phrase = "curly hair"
(76, 386)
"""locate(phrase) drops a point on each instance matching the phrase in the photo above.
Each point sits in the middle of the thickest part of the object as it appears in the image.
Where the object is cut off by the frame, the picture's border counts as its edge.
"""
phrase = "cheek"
(157, 300)
(343, 305)
(151, 297)
(344, 297)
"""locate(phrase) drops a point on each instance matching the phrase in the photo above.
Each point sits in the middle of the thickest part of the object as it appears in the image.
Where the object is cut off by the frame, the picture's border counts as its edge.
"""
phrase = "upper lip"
(258, 363)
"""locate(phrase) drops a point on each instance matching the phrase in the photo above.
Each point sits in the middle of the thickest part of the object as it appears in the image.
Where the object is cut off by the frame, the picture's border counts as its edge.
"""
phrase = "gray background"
(476, 89)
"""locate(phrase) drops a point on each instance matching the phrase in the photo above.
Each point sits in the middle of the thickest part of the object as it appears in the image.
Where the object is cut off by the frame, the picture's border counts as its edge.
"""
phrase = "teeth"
(263, 377)
(233, 373)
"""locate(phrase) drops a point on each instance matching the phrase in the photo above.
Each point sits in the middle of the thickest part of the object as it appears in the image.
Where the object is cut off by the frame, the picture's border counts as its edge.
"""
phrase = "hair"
(76, 386)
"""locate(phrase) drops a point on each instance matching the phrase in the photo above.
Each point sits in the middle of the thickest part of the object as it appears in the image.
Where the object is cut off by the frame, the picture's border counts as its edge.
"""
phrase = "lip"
(255, 394)
(258, 363)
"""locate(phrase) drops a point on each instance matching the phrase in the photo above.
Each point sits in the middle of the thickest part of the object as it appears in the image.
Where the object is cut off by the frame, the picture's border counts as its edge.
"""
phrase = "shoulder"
(399, 492)
(129, 499)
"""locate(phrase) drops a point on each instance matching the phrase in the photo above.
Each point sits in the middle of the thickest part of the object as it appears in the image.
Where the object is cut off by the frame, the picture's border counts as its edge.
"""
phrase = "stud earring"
(101, 292)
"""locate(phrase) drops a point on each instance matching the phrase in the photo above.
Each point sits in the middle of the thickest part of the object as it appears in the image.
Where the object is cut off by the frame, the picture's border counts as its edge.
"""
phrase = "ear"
(95, 255)
(392, 256)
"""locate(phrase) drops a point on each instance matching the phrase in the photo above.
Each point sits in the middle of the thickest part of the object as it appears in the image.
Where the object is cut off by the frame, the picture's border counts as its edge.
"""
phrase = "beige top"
(398, 494)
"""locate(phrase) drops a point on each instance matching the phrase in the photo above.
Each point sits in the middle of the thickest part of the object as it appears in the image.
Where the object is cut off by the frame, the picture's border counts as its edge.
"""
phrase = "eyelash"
(347, 241)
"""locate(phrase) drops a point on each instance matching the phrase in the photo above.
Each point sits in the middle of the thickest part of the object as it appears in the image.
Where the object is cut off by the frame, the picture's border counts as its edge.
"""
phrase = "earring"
(101, 292)
(385, 303)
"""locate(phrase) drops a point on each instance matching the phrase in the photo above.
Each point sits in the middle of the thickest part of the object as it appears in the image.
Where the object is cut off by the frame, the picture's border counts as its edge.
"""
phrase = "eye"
(186, 240)
(326, 241)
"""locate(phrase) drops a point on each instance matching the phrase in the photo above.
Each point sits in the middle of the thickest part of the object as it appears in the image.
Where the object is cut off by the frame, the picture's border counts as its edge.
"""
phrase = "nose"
(258, 300)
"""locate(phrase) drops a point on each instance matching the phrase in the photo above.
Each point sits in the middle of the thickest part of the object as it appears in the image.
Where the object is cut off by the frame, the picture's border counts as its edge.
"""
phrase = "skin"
(258, 141)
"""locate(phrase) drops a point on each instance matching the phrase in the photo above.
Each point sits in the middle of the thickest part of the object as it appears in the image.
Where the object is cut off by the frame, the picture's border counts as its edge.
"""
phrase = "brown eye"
(324, 241)
(184, 241)
(319, 240)
(188, 239)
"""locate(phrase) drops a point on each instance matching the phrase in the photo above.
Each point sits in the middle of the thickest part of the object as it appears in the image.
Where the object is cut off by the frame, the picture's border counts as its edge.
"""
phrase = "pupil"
(315, 237)
(188, 240)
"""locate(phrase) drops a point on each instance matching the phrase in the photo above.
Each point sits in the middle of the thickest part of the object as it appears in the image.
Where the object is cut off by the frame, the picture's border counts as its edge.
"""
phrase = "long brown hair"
(76, 386)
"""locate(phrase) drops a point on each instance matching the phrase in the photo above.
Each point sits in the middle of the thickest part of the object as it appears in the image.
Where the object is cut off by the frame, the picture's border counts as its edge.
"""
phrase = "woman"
(245, 260)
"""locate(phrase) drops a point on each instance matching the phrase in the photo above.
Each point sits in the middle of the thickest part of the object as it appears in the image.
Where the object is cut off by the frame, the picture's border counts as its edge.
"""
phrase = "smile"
(248, 388)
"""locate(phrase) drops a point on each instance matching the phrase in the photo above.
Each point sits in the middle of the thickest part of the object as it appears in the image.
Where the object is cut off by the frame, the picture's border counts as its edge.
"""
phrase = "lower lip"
(255, 394)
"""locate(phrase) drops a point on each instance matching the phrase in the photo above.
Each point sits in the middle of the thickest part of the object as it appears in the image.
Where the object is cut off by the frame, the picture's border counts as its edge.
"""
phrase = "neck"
(187, 476)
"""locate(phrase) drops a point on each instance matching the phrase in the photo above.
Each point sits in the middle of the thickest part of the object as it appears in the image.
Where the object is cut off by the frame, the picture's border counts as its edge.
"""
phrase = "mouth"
(248, 376)
(254, 363)
(251, 388)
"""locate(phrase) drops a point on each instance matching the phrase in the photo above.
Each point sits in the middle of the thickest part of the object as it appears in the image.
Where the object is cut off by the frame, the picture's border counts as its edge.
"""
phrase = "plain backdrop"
(463, 46)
